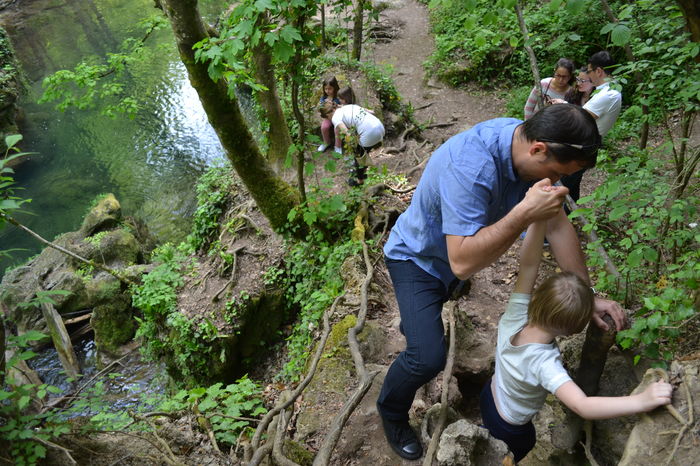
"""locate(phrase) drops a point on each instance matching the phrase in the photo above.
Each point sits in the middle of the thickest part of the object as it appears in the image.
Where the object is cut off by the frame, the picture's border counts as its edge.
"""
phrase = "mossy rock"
(104, 216)
(297, 453)
(114, 324)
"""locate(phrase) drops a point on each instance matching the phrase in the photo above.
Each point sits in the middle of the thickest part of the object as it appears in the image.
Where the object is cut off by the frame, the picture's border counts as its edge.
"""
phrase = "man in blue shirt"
(478, 192)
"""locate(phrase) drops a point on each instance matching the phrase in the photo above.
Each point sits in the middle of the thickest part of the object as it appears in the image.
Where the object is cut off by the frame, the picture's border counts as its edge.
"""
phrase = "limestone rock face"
(465, 444)
(655, 435)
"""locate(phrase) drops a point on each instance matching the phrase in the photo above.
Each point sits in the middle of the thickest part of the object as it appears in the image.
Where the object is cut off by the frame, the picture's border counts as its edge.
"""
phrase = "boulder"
(659, 437)
(104, 238)
(465, 444)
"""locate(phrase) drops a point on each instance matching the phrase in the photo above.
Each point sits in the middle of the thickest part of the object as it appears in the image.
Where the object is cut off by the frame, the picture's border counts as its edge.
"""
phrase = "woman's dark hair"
(347, 95)
(331, 81)
(568, 65)
(570, 132)
(573, 95)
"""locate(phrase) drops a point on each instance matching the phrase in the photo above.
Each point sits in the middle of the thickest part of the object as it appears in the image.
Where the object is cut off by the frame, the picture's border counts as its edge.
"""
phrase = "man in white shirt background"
(604, 105)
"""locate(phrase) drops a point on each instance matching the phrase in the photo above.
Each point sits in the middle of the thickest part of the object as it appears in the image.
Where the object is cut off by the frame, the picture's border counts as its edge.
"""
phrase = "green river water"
(151, 163)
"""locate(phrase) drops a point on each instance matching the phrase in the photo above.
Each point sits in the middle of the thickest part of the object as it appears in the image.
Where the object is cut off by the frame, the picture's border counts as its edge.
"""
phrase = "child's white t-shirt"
(369, 127)
(525, 373)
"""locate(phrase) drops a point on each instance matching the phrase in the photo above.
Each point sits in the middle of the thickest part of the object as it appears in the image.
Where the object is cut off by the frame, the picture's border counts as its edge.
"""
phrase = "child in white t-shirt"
(528, 362)
(370, 131)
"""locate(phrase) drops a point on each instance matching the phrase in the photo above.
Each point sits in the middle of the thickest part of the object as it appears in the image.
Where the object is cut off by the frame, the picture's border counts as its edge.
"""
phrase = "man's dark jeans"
(420, 297)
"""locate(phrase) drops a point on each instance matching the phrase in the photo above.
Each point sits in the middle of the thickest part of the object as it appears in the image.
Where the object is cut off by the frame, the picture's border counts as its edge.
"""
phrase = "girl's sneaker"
(322, 147)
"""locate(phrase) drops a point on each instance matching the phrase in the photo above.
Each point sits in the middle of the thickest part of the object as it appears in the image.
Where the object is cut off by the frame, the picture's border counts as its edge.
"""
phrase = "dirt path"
(362, 441)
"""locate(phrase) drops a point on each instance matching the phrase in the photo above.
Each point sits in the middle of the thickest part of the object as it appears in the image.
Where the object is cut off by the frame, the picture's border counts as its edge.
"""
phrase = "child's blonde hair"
(563, 304)
(327, 108)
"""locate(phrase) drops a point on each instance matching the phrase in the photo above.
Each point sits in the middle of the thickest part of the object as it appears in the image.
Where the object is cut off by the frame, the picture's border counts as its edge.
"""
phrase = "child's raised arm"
(530, 257)
(605, 407)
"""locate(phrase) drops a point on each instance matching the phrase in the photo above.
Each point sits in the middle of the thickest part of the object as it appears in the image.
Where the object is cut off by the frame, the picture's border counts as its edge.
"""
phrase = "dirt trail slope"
(362, 441)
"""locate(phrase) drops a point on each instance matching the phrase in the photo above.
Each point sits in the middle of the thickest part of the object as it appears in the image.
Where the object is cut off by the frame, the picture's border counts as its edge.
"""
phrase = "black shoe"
(402, 439)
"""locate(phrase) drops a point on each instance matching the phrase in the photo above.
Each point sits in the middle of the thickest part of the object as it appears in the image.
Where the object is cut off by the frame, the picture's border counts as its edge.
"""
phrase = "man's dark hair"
(602, 60)
(569, 131)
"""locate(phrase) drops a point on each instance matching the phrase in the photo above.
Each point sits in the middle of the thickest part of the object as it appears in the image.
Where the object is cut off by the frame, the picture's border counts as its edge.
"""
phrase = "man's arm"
(469, 254)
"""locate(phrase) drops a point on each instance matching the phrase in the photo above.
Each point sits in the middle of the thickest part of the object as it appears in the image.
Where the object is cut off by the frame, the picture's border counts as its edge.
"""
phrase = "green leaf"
(480, 40)
(12, 139)
(554, 5)
(621, 35)
(618, 212)
(289, 34)
(575, 7)
(634, 258)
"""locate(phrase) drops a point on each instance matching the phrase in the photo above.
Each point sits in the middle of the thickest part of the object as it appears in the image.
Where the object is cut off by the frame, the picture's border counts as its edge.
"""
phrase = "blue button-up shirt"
(468, 183)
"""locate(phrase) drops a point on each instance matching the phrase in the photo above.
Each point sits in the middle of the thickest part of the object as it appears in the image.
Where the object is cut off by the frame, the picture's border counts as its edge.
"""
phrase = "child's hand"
(656, 394)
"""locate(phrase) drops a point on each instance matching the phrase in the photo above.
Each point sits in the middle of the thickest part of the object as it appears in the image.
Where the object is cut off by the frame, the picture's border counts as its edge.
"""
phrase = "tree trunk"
(61, 340)
(273, 196)
(530, 53)
(357, 29)
(691, 12)
(280, 139)
(593, 356)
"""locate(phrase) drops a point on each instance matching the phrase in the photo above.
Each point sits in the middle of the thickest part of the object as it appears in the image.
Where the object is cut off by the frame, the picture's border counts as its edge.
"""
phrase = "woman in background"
(552, 88)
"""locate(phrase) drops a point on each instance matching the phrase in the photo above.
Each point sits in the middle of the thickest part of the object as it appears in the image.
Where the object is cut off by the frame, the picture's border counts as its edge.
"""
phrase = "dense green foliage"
(311, 275)
(645, 213)
(479, 40)
(228, 409)
(26, 429)
(658, 264)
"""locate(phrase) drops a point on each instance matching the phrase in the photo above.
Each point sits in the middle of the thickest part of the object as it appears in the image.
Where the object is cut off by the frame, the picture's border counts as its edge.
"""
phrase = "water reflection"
(126, 383)
(150, 163)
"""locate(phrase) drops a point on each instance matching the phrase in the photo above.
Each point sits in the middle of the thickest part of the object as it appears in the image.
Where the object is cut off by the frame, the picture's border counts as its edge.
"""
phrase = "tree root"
(277, 447)
(235, 252)
(588, 429)
(55, 446)
(325, 451)
(440, 125)
(446, 375)
(686, 424)
(402, 141)
(255, 441)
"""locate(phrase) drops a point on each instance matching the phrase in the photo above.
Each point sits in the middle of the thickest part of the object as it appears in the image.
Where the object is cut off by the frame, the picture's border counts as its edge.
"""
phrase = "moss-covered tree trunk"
(274, 197)
(280, 139)
(357, 29)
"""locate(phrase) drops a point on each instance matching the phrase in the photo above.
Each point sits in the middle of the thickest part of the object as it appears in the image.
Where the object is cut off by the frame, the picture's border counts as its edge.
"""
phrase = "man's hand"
(543, 201)
(611, 308)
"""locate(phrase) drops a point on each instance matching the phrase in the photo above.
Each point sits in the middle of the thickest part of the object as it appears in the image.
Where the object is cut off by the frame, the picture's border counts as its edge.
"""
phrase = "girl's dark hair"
(347, 95)
(330, 81)
(569, 131)
(569, 66)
